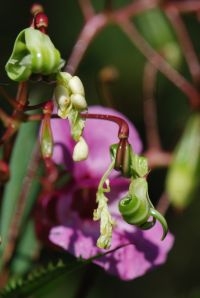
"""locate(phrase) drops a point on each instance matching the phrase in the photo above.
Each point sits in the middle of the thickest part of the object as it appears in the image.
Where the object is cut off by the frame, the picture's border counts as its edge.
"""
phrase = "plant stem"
(149, 110)
(89, 31)
(123, 132)
(186, 6)
(185, 42)
(96, 22)
(160, 64)
(87, 9)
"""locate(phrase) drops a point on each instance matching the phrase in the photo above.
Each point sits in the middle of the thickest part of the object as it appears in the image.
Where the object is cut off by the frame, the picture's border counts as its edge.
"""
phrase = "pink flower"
(67, 214)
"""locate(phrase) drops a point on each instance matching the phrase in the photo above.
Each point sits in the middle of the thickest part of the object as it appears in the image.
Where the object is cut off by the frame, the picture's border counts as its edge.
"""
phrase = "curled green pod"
(157, 30)
(183, 174)
(33, 53)
(158, 216)
(137, 209)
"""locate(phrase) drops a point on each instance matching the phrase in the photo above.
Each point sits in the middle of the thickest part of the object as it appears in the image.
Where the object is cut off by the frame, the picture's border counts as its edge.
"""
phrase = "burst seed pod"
(33, 53)
(183, 175)
(136, 208)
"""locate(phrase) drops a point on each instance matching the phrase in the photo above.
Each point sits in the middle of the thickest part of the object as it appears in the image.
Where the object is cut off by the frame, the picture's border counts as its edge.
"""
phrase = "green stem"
(105, 176)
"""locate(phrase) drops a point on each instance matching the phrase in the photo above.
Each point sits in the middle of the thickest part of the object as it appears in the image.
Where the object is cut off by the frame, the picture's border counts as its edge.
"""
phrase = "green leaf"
(20, 159)
(21, 288)
(27, 247)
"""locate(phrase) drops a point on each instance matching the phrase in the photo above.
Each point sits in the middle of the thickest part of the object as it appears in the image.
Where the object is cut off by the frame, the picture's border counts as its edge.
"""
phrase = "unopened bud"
(76, 86)
(63, 100)
(63, 78)
(80, 150)
(46, 139)
(78, 101)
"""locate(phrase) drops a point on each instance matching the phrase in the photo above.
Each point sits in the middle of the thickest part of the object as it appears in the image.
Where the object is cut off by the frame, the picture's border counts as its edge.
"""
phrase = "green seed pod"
(157, 30)
(33, 53)
(136, 208)
(183, 175)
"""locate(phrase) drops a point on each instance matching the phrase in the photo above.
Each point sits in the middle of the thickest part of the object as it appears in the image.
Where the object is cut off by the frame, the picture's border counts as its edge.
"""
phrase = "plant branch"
(182, 6)
(95, 23)
(185, 42)
(11, 101)
(89, 31)
(149, 111)
(123, 132)
(87, 9)
(160, 64)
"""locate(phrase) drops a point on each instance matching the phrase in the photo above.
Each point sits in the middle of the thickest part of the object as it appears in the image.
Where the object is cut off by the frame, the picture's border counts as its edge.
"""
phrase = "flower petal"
(132, 256)
(99, 135)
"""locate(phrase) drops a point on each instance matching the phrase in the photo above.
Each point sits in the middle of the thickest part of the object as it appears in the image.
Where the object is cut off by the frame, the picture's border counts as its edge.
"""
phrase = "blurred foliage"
(179, 277)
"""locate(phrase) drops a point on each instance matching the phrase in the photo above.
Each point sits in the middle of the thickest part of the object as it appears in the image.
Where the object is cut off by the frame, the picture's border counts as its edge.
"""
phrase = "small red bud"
(48, 108)
(41, 20)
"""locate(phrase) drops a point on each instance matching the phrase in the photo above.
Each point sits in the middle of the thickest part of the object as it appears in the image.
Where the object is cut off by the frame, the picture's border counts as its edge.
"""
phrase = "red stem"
(123, 132)
(149, 107)
(89, 31)
(186, 6)
(35, 107)
(95, 23)
(87, 9)
(161, 64)
(185, 42)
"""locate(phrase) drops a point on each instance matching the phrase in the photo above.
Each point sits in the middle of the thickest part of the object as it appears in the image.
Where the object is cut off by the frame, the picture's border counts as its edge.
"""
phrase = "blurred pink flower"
(67, 219)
